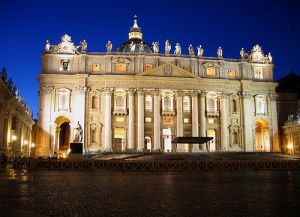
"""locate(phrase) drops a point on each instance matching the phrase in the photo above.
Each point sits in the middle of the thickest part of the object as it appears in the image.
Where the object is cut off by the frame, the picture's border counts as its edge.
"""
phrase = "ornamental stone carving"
(48, 89)
(200, 51)
(167, 47)
(80, 89)
(109, 46)
(177, 49)
(220, 52)
(155, 47)
(191, 50)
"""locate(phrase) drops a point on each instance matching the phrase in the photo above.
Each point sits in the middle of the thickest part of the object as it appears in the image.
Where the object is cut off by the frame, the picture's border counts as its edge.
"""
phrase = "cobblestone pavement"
(149, 194)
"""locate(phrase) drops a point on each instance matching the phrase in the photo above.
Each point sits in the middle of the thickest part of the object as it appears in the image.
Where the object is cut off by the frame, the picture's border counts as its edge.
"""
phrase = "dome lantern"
(135, 30)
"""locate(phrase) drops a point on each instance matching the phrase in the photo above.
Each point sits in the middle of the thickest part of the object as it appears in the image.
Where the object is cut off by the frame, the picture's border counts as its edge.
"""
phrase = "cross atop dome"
(135, 30)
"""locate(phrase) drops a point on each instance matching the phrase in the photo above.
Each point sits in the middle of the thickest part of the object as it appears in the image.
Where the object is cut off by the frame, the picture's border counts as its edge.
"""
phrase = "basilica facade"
(141, 96)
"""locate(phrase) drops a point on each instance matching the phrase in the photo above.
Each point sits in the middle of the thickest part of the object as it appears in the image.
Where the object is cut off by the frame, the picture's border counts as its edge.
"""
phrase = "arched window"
(148, 102)
(95, 102)
(120, 103)
(63, 99)
(211, 104)
(186, 104)
(167, 104)
(260, 105)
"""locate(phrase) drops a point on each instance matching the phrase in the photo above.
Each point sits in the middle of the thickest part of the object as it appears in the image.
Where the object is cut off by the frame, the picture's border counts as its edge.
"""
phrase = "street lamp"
(13, 138)
(290, 148)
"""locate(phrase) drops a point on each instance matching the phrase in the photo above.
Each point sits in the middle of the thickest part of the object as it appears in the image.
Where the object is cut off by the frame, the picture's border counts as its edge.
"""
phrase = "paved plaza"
(149, 194)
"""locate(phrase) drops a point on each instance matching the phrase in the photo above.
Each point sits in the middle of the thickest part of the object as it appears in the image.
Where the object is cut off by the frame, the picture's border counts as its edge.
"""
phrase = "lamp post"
(32, 150)
(290, 148)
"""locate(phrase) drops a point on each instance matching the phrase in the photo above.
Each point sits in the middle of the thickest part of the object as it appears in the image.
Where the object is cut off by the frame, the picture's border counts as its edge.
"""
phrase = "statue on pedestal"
(177, 49)
(78, 133)
(270, 57)
(191, 50)
(155, 47)
(83, 46)
(220, 52)
(108, 46)
(200, 51)
(167, 47)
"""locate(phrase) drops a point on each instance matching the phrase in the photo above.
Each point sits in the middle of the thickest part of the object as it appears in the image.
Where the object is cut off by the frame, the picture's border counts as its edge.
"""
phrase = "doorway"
(212, 143)
(119, 139)
(262, 138)
(167, 139)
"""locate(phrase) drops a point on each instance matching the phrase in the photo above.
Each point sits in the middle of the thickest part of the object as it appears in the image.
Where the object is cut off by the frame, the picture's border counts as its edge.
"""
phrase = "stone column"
(156, 117)
(131, 128)
(45, 120)
(79, 111)
(273, 112)
(2, 130)
(180, 147)
(224, 122)
(141, 120)
(248, 112)
(107, 123)
(195, 124)
(202, 118)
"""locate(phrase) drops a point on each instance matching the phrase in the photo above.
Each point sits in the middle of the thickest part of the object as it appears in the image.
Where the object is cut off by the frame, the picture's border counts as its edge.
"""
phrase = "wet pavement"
(112, 193)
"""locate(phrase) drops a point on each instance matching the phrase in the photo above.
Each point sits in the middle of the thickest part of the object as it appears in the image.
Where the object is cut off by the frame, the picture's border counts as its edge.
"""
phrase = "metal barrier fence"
(155, 165)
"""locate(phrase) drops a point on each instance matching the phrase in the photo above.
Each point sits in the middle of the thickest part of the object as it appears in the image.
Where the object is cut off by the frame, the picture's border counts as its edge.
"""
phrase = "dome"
(135, 41)
(126, 46)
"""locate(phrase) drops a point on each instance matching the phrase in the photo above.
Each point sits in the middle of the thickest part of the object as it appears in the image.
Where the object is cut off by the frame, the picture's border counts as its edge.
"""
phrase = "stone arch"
(262, 135)
(62, 133)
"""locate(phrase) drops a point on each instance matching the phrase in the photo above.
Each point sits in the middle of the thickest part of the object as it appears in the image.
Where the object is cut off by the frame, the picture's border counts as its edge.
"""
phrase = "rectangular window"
(232, 73)
(96, 67)
(148, 120)
(186, 104)
(148, 67)
(211, 71)
(120, 67)
(258, 74)
(210, 120)
(120, 119)
(148, 103)
(185, 120)
(64, 65)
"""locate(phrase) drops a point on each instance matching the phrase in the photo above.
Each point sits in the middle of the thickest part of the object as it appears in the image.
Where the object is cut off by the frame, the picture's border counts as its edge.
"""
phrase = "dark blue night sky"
(25, 25)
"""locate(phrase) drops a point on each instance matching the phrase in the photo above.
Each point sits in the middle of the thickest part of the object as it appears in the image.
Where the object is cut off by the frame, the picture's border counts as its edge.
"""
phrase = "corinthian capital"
(47, 89)
(195, 93)
(140, 91)
(131, 92)
(107, 91)
(80, 89)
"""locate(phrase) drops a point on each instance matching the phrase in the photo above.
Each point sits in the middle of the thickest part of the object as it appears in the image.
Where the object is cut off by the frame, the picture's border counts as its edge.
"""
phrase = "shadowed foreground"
(88, 193)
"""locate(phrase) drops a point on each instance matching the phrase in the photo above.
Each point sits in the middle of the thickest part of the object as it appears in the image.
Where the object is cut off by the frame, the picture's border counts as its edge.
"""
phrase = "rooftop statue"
(220, 52)
(155, 47)
(167, 47)
(47, 47)
(9, 84)
(177, 49)
(141, 47)
(270, 57)
(4, 74)
(83, 46)
(108, 46)
(132, 46)
(200, 51)
(242, 53)
(191, 50)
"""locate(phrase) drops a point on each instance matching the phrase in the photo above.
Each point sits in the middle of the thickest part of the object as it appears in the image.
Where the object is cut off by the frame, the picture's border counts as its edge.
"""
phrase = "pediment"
(168, 70)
